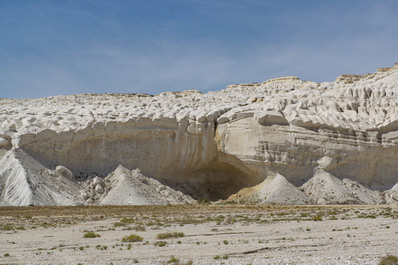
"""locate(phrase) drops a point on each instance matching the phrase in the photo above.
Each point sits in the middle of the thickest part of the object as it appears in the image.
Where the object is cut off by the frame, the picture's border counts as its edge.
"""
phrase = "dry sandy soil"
(212, 234)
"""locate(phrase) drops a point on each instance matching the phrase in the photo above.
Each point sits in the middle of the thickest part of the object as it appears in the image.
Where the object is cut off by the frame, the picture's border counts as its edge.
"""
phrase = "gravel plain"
(198, 234)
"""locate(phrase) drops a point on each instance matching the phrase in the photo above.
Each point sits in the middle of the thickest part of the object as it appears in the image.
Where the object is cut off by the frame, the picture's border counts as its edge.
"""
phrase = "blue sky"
(58, 47)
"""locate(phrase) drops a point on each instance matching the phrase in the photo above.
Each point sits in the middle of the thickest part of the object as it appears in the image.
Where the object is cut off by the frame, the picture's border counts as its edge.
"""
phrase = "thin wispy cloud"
(53, 47)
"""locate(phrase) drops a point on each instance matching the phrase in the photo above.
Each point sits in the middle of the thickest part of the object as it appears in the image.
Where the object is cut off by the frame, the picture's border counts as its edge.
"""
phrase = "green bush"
(389, 260)
(203, 200)
(317, 217)
(160, 243)
(132, 238)
(124, 222)
(170, 235)
(91, 234)
(173, 260)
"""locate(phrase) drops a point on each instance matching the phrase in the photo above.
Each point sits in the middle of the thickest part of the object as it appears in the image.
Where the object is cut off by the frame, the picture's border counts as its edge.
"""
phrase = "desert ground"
(198, 234)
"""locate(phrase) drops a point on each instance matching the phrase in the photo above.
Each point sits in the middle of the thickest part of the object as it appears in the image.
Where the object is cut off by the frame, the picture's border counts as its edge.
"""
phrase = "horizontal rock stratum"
(281, 141)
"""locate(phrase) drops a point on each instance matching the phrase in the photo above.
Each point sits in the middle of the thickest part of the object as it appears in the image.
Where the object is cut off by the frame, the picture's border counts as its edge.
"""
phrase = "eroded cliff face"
(294, 152)
(210, 145)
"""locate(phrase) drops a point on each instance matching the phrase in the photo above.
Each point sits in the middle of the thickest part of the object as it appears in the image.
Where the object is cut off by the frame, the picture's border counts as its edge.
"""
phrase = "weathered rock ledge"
(282, 141)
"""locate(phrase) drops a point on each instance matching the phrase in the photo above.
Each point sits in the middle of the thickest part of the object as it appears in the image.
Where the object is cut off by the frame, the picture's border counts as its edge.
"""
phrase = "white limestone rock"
(5, 142)
(270, 118)
(324, 188)
(132, 188)
(64, 172)
(23, 182)
(391, 195)
(99, 189)
(274, 190)
(211, 144)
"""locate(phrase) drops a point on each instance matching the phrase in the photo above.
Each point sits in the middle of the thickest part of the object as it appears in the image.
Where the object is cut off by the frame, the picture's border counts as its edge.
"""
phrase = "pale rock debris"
(64, 172)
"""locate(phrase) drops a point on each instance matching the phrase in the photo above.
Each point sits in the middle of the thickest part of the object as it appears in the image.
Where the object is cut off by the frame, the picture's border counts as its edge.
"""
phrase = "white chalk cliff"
(303, 142)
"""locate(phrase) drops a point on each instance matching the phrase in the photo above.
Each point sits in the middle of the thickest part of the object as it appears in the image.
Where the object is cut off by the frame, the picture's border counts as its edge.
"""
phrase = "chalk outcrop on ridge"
(284, 133)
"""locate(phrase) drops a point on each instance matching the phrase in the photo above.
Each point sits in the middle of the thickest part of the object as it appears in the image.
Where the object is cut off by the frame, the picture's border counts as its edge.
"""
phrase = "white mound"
(274, 189)
(23, 181)
(391, 196)
(128, 187)
(324, 188)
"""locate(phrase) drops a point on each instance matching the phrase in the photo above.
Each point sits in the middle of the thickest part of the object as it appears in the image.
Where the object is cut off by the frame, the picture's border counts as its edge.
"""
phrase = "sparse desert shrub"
(389, 260)
(99, 247)
(160, 243)
(173, 260)
(91, 234)
(317, 217)
(139, 228)
(124, 222)
(170, 235)
(7, 255)
(127, 220)
(203, 200)
(132, 238)
(47, 225)
(216, 257)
